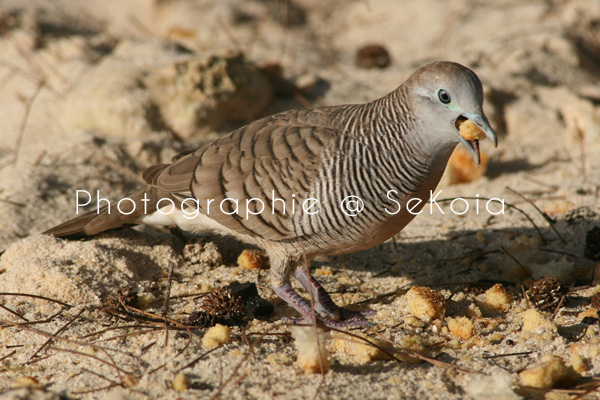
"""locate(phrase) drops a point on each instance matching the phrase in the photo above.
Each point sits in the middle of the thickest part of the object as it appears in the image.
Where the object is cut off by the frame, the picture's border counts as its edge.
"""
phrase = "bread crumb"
(278, 359)
(552, 372)
(462, 168)
(180, 383)
(414, 343)
(253, 259)
(360, 351)
(587, 350)
(145, 300)
(324, 271)
(426, 303)
(26, 382)
(590, 312)
(313, 356)
(496, 385)
(534, 320)
(497, 299)
(216, 336)
(412, 321)
(473, 311)
(469, 131)
(462, 327)
(579, 364)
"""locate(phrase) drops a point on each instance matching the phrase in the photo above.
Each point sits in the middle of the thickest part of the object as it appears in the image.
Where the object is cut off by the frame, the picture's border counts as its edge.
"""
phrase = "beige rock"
(202, 94)
(110, 100)
(149, 86)
(26, 382)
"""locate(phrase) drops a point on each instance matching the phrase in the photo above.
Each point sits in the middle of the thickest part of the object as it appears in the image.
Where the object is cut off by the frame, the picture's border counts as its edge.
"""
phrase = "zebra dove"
(313, 182)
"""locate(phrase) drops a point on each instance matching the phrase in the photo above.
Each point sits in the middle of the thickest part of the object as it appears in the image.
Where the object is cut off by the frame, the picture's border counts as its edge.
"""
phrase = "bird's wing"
(274, 158)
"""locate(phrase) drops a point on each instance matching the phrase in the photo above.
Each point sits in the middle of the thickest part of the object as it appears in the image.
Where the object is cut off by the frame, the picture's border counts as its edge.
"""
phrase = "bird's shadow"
(453, 259)
(462, 258)
(496, 168)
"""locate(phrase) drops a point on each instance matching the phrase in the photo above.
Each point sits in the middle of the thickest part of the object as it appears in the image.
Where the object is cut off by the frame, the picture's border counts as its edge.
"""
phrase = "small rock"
(372, 56)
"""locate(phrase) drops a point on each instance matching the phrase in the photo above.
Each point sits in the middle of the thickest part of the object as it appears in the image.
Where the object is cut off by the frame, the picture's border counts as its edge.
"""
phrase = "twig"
(235, 370)
(409, 353)
(168, 289)
(112, 328)
(35, 296)
(312, 306)
(523, 353)
(507, 205)
(581, 139)
(77, 342)
(187, 345)
(195, 360)
(14, 203)
(14, 313)
(550, 221)
(101, 376)
(100, 360)
(65, 326)
(562, 298)
(560, 252)
(8, 355)
(112, 385)
(518, 262)
(126, 335)
(28, 104)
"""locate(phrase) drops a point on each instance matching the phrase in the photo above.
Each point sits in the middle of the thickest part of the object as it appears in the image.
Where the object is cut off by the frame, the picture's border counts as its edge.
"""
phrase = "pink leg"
(291, 297)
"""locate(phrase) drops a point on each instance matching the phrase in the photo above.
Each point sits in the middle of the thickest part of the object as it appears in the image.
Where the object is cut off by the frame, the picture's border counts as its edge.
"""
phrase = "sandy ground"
(93, 92)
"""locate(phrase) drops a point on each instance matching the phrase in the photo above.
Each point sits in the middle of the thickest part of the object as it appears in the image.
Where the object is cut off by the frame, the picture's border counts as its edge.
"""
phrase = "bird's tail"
(143, 202)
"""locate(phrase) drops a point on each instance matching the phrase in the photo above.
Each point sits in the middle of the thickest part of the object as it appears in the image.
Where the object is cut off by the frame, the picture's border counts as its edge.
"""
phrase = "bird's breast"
(396, 214)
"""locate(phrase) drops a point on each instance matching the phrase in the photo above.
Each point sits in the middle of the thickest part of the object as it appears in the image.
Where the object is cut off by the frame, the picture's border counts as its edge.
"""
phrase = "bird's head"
(449, 94)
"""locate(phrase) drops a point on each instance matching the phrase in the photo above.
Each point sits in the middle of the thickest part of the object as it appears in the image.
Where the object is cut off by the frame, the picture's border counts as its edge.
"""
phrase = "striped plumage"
(399, 142)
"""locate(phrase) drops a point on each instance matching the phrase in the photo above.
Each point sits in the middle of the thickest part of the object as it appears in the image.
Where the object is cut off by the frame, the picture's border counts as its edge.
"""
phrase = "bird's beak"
(482, 123)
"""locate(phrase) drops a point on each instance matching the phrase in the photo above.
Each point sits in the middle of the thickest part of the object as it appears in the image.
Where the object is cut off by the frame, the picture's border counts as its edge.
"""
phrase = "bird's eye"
(444, 96)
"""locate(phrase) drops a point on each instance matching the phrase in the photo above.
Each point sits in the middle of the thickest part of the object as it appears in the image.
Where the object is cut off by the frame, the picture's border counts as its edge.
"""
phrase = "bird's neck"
(399, 144)
(392, 125)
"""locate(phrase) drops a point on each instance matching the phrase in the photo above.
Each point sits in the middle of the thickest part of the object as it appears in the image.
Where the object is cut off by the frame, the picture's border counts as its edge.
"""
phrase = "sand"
(94, 92)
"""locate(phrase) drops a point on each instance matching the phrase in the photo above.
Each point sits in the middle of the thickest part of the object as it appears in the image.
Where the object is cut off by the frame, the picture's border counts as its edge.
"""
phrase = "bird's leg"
(324, 305)
(291, 297)
(282, 288)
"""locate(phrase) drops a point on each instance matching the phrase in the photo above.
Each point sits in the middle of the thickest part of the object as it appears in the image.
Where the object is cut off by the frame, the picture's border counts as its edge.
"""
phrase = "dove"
(313, 182)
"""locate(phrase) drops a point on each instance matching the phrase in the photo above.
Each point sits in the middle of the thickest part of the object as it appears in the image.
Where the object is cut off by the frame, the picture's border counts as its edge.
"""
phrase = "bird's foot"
(356, 321)
(330, 315)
